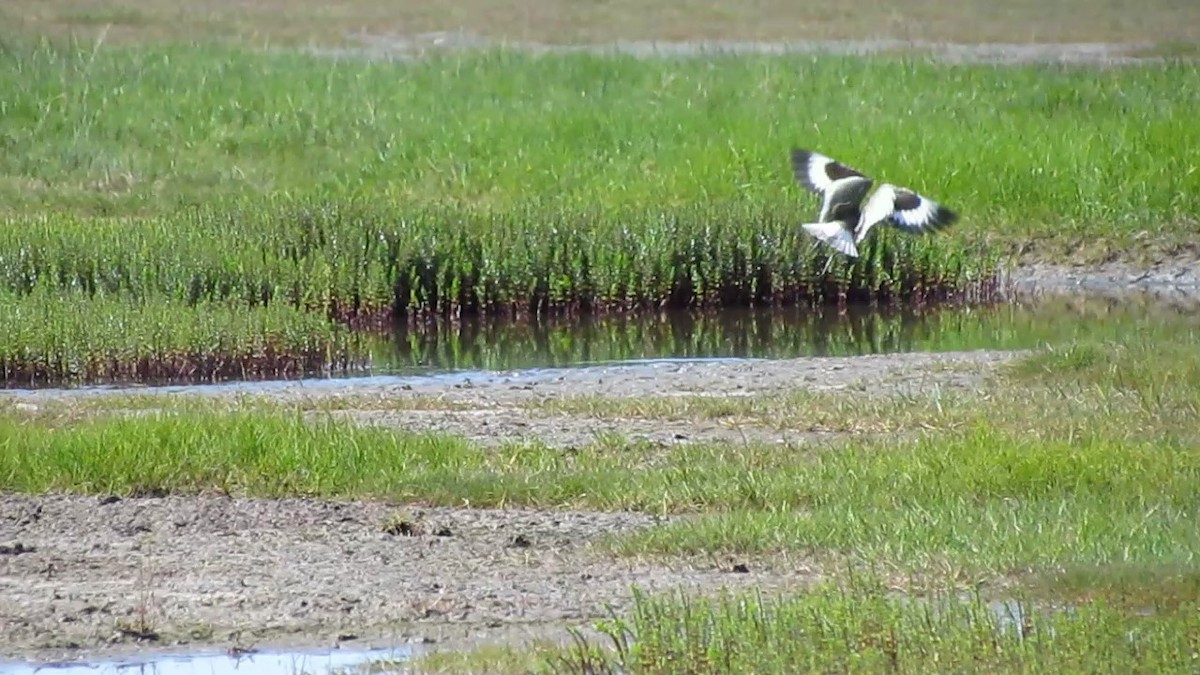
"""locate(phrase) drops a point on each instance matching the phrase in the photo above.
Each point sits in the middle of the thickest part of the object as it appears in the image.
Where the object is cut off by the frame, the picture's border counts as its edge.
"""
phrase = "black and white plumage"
(844, 220)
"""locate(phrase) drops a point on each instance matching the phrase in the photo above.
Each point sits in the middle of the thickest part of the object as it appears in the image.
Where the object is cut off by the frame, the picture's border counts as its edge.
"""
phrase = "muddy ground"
(82, 577)
(88, 577)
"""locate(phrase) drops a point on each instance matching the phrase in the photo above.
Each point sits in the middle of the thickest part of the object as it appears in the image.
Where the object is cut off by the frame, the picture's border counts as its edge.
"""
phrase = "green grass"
(980, 500)
(123, 130)
(49, 338)
(860, 629)
(854, 626)
(501, 181)
(1069, 480)
(362, 264)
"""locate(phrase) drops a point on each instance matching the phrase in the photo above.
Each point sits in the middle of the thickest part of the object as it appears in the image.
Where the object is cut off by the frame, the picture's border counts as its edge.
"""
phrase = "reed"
(361, 262)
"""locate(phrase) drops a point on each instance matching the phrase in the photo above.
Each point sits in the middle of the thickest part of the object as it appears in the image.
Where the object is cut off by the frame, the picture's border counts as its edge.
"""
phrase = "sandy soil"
(84, 577)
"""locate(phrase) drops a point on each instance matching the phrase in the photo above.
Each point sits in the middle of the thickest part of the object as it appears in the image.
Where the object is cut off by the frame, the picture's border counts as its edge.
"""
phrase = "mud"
(1170, 279)
(109, 575)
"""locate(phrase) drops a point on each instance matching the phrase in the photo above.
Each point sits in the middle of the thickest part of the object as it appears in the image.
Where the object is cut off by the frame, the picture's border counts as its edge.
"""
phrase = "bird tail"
(833, 234)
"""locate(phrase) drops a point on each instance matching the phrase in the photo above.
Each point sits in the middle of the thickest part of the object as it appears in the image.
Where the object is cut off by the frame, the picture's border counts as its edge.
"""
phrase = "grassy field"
(184, 196)
(504, 183)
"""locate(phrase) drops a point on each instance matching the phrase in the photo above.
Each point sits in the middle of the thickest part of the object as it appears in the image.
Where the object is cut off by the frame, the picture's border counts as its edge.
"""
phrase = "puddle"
(258, 663)
(478, 351)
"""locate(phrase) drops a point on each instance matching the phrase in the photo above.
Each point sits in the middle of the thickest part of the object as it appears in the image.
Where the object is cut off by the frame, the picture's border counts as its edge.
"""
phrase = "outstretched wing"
(835, 182)
(906, 210)
(834, 234)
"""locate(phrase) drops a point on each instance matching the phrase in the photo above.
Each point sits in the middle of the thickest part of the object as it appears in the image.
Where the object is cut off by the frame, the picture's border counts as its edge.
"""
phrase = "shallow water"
(258, 663)
(479, 350)
(763, 334)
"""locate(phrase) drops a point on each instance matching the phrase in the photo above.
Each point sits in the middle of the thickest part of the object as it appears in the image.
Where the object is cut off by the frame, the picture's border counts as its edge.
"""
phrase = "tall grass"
(67, 339)
(366, 262)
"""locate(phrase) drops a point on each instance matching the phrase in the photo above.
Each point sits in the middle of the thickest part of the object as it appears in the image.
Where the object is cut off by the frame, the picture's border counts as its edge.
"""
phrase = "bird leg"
(828, 264)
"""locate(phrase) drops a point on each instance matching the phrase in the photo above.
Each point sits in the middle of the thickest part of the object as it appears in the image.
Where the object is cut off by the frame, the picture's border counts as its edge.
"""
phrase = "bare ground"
(104, 576)
(85, 577)
(571, 22)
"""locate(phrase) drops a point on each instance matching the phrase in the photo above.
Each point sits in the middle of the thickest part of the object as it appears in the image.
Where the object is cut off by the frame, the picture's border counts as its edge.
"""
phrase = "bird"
(844, 220)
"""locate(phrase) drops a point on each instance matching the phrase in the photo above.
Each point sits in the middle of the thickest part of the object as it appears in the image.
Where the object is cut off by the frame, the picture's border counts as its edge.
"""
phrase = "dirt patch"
(573, 22)
(1174, 279)
(106, 576)
(377, 46)
(501, 408)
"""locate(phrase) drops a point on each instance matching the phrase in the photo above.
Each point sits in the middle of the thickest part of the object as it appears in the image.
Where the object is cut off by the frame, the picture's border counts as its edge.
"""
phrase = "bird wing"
(834, 234)
(906, 210)
(835, 182)
(816, 172)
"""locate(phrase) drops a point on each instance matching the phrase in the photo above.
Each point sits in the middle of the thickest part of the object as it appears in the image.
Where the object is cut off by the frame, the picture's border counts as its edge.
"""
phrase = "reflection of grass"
(1154, 587)
(49, 338)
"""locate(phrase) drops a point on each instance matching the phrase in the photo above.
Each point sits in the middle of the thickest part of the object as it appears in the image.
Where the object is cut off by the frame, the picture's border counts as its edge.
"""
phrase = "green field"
(186, 196)
(502, 183)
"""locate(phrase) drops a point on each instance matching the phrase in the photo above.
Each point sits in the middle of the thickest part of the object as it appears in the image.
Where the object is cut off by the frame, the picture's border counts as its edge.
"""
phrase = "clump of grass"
(832, 629)
(360, 263)
(71, 339)
(961, 502)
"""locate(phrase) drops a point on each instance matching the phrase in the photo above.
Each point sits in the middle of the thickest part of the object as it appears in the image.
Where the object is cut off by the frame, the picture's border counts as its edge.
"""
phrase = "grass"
(561, 21)
(126, 131)
(862, 629)
(981, 500)
(366, 264)
(498, 182)
(176, 171)
(1069, 477)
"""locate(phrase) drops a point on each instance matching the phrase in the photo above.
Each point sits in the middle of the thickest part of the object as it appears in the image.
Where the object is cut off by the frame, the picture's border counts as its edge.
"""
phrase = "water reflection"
(259, 663)
(768, 333)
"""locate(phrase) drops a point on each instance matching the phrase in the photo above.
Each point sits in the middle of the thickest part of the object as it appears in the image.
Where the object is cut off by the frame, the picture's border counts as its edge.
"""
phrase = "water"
(478, 350)
(475, 346)
(256, 663)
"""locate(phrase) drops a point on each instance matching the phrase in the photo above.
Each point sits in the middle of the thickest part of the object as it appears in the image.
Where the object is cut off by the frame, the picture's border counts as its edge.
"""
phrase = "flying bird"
(844, 220)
